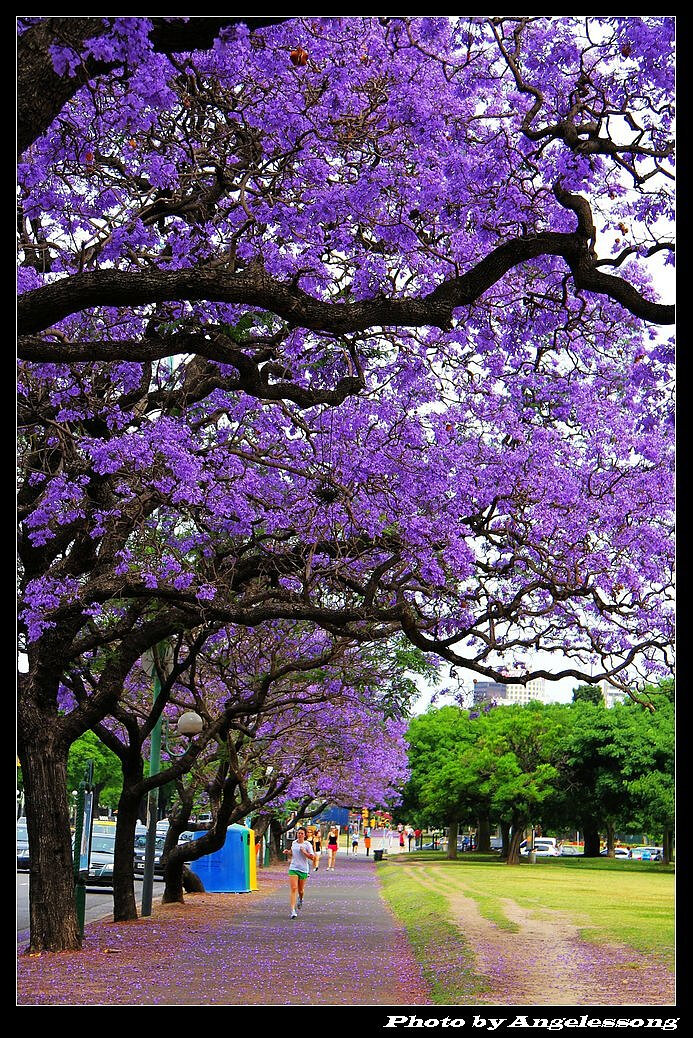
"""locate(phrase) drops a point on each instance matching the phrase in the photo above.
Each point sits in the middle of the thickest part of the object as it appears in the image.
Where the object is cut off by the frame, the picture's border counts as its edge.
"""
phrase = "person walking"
(332, 847)
(367, 841)
(301, 853)
(354, 842)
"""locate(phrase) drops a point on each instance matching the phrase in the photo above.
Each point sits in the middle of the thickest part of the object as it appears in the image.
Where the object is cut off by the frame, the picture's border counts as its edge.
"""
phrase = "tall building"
(534, 689)
(510, 693)
(488, 692)
(611, 693)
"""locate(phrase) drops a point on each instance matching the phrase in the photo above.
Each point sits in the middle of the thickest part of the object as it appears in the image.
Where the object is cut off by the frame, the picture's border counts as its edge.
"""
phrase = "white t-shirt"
(299, 862)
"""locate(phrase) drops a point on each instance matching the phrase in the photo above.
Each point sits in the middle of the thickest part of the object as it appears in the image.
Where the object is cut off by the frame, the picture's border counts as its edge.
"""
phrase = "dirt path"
(546, 962)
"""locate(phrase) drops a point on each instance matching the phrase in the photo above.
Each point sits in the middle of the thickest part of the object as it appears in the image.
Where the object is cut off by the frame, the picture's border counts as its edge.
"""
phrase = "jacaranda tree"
(353, 322)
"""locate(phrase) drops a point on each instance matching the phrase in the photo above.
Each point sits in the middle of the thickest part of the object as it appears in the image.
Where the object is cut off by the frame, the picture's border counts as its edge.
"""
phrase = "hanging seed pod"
(298, 56)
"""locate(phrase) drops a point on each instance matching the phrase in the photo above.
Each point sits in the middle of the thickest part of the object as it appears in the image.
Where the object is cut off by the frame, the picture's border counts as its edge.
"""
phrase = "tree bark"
(515, 841)
(52, 912)
(610, 849)
(453, 829)
(667, 846)
(505, 837)
(274, 840)
(124, 901)
(591, 849)
(483, 834)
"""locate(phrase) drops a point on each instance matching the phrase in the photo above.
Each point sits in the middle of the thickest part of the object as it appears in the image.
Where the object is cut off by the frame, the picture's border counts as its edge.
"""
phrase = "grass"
(447, 963)
(609, 900)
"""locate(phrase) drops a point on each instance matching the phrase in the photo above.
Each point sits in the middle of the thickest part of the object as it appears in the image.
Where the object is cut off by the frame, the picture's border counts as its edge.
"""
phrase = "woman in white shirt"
(302, 854)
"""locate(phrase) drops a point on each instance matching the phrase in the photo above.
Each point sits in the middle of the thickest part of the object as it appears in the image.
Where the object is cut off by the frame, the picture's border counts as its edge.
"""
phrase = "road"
(99, 902)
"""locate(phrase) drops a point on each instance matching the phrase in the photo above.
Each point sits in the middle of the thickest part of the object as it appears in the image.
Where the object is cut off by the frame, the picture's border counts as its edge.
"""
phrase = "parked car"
(103, 827)
(569, 850)
(544, 847)
(648, 853)
(141, 850)
(547, 850)
(22, 845)
(101, 860)
(619, 852)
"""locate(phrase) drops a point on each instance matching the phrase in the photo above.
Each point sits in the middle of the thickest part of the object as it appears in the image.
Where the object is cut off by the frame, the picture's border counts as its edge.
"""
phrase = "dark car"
(22, 845)
(141, 850)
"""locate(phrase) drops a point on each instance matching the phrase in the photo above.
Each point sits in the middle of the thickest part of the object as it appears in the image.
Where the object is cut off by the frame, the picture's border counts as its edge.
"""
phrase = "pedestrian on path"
(332, 847)
(367, 841)
(354, 842)
(317, 847)
(302, 853)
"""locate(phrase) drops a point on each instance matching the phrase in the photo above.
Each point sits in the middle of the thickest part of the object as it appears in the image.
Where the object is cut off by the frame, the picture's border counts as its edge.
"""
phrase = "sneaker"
(299, 902)
(294, 914)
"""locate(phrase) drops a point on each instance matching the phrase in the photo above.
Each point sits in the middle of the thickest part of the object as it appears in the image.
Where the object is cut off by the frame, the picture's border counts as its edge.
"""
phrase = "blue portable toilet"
(226, 871)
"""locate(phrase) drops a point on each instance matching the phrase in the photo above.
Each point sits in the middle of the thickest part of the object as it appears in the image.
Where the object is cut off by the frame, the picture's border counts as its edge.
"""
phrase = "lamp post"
(164, 656)
(189, 724)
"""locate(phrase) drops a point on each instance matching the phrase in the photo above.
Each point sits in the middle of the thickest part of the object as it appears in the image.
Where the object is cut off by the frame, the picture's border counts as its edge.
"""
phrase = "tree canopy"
(346, 322)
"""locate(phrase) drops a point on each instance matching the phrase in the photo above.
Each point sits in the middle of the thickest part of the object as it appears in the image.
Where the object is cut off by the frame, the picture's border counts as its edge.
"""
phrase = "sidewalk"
(346, 948)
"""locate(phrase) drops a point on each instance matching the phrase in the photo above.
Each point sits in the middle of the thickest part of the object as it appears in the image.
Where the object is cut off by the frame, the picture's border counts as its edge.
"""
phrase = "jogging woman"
(332, 847)
(317, 847)
(302, 854)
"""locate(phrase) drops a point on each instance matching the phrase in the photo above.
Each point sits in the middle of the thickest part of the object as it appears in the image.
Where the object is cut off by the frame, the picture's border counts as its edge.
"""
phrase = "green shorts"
(301, 875)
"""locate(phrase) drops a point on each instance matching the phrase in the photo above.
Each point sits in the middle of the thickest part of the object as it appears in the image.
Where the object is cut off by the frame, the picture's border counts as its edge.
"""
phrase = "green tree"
(647, 740)
(444, 787)
(519, 750)
(501, 763)
(588, 694)
(108, 777)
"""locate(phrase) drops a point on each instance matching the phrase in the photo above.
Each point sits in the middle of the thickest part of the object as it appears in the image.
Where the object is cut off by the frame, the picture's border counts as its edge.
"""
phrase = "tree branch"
(42, 307)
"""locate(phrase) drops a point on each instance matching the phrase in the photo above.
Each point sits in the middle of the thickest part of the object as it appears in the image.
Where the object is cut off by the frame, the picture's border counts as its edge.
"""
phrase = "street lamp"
(189, 724)
(163, 655)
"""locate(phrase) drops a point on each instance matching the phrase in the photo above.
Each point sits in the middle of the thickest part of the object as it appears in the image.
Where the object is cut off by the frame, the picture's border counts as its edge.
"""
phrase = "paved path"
(345, 948)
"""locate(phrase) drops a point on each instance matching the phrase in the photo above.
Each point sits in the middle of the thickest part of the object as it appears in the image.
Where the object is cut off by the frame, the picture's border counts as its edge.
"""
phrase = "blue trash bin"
(225, 871)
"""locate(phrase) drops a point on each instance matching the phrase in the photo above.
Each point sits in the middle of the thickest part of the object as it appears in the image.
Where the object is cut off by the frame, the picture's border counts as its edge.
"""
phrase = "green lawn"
(630, 902)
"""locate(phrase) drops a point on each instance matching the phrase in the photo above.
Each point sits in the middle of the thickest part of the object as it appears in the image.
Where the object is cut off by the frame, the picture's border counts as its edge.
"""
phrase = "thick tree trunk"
(515, 841)
(483, 834)
(505, 837)
(667, 846)
(591, 849)
(173, 876)
(610, 846)
(52, 912)
(453, 829)
(124, 901)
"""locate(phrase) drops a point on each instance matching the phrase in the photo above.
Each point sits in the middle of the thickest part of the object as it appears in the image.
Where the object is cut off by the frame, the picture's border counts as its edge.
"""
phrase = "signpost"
(82, 848)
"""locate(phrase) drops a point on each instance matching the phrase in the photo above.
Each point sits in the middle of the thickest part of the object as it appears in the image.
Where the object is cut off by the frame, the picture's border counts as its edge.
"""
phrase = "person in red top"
(417, 837)
(332, 847)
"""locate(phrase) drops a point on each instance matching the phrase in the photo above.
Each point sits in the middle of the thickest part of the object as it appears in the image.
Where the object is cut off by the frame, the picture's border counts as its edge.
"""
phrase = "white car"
(544, 847)
(648, 853)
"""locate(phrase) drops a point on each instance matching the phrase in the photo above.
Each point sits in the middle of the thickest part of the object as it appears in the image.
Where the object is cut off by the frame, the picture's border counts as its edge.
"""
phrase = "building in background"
(611, 693)
(512, 693)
